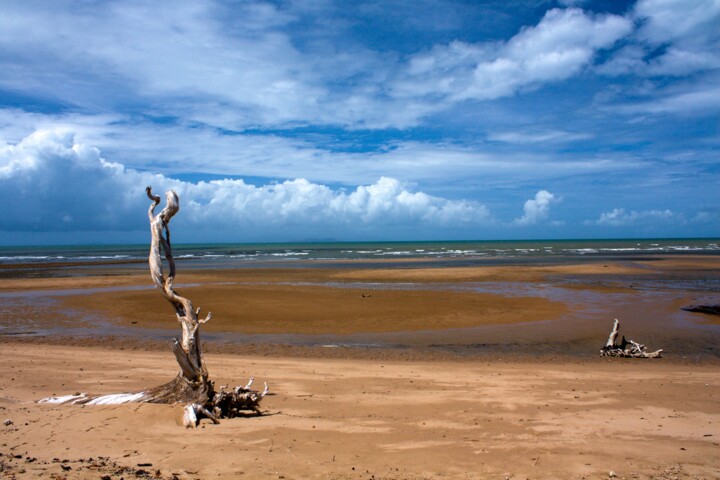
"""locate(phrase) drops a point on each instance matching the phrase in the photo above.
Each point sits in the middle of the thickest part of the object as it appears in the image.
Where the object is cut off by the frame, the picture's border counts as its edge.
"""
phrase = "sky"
(317, 120)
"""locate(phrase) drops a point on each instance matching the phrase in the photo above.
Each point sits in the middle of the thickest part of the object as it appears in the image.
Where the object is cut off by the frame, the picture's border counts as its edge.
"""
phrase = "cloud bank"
(59, 184)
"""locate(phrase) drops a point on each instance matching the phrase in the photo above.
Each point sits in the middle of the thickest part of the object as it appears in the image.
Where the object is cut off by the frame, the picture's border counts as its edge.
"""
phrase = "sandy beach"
(335, 418)
(466, 372)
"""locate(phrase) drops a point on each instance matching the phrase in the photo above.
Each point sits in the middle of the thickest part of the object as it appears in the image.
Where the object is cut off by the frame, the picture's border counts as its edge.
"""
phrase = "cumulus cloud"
(620, 217)
(59, 184)
(537, 209)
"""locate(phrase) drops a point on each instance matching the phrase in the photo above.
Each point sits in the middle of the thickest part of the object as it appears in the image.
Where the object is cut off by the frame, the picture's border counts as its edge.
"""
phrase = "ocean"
(284, 254)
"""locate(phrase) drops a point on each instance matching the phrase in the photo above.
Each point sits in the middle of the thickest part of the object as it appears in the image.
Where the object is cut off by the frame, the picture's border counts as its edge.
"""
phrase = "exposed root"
(225, 405)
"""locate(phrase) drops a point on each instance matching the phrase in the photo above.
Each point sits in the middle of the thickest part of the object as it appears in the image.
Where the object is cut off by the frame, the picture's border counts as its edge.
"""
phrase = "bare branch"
(613, 335)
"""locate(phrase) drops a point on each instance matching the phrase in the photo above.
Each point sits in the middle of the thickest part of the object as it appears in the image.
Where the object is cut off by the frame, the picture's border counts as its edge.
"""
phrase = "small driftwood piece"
(627, 348)
(192, 384)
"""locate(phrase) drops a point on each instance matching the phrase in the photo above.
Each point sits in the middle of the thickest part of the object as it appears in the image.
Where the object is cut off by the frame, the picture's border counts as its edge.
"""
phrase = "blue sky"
(369, 120)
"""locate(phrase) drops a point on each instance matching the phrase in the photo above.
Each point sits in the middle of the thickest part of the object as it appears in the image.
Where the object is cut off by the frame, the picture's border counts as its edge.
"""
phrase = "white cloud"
(537, 209)
(174, 149)
(59, 184)
(572, 3)
(620, 217)
(299, 87)
(628, 59)
(682, 62)
(246, 65)
(548, 136)
(664, 21)
(674, 38)
(243, 66)
(233, 66)
(699, 100)
(558, 47)
(675, 61)
(229, 66)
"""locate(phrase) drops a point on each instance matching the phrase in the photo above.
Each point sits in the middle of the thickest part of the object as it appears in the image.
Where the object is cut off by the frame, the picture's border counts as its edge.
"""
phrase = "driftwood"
(192, 384)
(627, 348)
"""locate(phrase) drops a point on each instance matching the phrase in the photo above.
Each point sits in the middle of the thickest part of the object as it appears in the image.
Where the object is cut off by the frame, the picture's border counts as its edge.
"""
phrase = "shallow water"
(647, 304)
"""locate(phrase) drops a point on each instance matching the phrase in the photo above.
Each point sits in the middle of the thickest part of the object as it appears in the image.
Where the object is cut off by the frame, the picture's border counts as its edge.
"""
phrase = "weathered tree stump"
(192, 384)
(627, 348)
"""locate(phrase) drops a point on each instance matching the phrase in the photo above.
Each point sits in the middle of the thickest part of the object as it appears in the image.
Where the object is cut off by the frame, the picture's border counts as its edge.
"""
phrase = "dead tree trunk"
(627, 348)
(192, 384)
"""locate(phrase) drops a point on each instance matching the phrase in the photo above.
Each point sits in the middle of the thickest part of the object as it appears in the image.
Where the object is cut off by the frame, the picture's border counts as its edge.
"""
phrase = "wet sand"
(397, 372)
(535, 309)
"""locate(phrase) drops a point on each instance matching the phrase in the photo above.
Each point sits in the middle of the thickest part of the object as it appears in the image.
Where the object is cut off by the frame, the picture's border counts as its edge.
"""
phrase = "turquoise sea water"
(284, 253)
